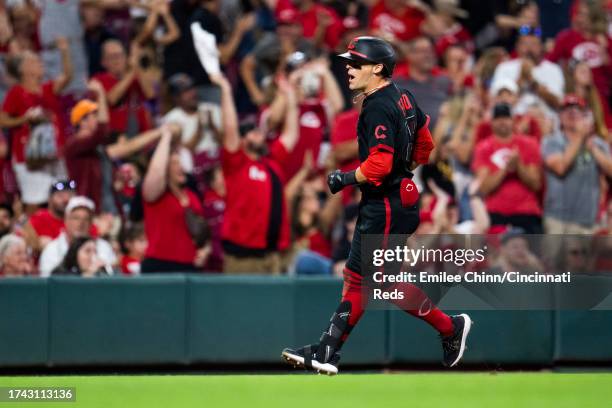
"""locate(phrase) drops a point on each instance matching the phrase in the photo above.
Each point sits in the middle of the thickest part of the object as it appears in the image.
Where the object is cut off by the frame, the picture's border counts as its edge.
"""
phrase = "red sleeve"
(11, 102)
(561, 48)
(279, 153)
(106, 80)
(424, 144)
(334, 32)
(231, 161)
(481, 158)
(483, 131)
(377, 166)
(534, 128)
(36, 222)
(531, 152)
(47, 90)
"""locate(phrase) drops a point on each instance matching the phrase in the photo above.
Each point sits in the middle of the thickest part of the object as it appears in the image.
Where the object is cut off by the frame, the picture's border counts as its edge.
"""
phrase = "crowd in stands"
(142, 136)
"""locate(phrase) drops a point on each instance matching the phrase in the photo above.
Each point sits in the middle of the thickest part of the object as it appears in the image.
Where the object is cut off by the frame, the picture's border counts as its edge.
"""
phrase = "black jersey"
(389, 121)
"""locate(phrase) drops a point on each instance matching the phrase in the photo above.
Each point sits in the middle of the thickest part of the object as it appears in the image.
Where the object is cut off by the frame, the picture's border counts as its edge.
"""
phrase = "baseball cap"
(287, 16)
(80, 202)
(573, 100)
(63, 185)
(502, 110)
(513, 232)
(350, 23)
(246, 125)
(81, 109)
(179, 83)
(504, 84)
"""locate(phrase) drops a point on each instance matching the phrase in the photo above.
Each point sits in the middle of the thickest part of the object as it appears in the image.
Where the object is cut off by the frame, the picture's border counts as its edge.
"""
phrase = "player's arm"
(424, 144)
(380, 133)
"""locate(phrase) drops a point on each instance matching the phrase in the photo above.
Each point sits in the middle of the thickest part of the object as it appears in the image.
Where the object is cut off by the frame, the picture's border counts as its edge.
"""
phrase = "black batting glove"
(337, 180)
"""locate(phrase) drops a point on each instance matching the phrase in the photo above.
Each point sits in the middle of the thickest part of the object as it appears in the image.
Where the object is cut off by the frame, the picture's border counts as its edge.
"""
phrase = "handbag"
(41, 148)
(197, 227)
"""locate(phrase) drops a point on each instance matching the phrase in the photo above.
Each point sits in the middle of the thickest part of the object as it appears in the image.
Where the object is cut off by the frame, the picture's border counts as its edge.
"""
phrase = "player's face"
(359, 75)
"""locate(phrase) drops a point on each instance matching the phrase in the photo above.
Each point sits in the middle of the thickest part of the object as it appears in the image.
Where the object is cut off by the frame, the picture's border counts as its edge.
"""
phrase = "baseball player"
(393, 139)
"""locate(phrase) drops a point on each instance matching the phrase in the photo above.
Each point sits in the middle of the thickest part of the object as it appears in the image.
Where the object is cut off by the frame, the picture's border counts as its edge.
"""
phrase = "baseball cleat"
(306, 357)
(454, 345)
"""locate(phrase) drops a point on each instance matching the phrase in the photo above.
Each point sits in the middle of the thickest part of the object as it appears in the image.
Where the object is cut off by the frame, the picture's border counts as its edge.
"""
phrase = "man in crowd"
(539, 80)
(199, 121)
(319, 100)
(507, 91)
(321, 23)
(508, 166)
(587, 40)
(271, 54)
(127, 89)
(6, 219)
(425, 80)
(255, 227)
(397, 20)
(78, 220)
(90, 121)
(46, 224)
(574, 159)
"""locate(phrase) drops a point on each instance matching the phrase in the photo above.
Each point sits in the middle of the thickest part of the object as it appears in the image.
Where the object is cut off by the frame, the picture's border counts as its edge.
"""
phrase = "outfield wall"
(187, 319)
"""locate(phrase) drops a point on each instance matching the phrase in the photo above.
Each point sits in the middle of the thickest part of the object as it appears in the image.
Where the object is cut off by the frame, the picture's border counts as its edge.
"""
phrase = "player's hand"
(337, 180)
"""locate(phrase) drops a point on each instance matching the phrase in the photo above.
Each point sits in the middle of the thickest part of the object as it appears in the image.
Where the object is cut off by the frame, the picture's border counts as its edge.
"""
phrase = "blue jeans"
(310, 263)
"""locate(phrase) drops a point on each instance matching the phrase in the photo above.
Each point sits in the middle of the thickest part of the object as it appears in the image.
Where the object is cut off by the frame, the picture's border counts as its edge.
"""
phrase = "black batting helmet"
(371, 50)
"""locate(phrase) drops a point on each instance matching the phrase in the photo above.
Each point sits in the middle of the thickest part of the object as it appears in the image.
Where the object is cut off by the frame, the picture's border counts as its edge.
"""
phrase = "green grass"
(452, 390)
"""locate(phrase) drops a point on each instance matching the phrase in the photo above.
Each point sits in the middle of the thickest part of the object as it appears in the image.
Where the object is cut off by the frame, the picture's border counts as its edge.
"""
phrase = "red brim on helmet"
(355, 56)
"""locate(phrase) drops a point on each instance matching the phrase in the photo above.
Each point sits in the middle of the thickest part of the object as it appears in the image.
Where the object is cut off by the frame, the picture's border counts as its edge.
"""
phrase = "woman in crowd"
(32, 106)
(172, 213)
(579, 81)
(82, 260)
(14, 259)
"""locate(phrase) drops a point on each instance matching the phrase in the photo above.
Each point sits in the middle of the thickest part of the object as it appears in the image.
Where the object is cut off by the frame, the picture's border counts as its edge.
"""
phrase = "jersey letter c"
(378, 132)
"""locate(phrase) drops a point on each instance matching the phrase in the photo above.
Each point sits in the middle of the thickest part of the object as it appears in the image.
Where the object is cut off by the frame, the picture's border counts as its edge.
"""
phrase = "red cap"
(287, 15)
(573, 100)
